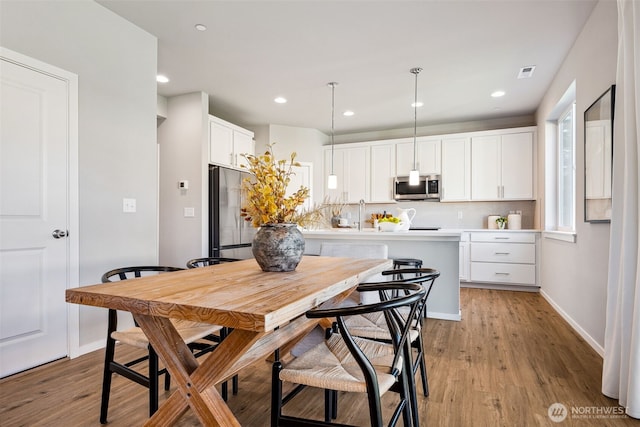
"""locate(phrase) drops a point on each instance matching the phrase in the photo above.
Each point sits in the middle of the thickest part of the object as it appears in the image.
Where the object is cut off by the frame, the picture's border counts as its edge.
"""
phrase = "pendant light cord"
(415, 71)
(333, 100)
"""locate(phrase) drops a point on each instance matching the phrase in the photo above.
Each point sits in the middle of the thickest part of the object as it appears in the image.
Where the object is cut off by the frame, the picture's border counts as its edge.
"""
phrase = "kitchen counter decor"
(278, 245)
(502, 222)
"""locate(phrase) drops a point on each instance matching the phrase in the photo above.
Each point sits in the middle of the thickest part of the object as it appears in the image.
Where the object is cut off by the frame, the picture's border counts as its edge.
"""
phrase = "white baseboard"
(88, 348)
(593, 343)
(444, 316)
(500, 287)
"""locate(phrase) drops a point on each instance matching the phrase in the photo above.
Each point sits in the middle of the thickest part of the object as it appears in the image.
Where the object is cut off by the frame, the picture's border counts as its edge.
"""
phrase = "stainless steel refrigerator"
(230, 235)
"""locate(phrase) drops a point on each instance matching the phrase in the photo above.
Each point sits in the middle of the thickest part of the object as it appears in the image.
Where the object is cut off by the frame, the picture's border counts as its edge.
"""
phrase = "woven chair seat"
(330, 365)
(374, 326)
(188, 330)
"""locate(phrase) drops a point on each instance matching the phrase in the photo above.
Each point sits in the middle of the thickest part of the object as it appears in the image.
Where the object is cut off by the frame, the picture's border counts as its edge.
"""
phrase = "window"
(566, 185)
(560, 169)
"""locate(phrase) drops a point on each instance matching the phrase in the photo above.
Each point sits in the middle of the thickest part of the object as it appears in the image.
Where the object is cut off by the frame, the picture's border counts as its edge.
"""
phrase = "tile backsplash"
(450, 215)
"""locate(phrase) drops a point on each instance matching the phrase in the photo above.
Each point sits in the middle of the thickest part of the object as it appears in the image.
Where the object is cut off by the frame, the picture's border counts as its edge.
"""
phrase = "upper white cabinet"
(351, 165)
(427, 156)
(502, 166)
(228, 142)
(456, 170)
(383, 172)
(484, 165)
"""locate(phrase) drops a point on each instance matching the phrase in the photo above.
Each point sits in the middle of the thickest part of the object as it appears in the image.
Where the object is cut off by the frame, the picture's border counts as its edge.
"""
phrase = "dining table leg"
(195, 382)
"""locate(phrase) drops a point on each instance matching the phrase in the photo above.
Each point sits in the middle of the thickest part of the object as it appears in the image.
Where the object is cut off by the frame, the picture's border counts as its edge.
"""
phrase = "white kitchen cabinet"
(502, 166)
(456, 170)
(383, 172)
(428, 151)
(352, 167)
(503, 257)
(228, 142)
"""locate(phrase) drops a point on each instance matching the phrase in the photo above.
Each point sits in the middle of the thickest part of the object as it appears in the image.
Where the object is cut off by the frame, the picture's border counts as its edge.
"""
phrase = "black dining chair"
(203, 262)
(200, 337)
(348, 363)
(373, 326)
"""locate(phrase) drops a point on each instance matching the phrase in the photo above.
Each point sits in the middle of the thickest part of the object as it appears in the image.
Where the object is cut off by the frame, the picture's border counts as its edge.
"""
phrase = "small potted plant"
(501, 221)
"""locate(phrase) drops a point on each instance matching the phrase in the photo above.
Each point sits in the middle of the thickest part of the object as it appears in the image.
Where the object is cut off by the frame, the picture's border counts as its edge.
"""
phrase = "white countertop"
(495, 230)
(446, 234)
(418, 232)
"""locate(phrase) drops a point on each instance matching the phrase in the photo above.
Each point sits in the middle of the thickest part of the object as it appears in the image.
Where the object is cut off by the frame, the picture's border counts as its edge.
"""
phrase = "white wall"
(306, 142)
(574, 275)
(116, 65)
(183, 140)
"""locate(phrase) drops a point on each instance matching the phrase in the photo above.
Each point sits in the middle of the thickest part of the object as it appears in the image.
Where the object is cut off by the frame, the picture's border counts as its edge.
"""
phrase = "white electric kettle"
(405, 215)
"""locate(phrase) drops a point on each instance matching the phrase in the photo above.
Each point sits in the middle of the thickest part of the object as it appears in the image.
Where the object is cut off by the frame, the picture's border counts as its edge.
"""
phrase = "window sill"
(565, 236)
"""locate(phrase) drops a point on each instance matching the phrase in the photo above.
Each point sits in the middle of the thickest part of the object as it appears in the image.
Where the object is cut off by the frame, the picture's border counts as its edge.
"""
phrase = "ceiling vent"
(526, 72)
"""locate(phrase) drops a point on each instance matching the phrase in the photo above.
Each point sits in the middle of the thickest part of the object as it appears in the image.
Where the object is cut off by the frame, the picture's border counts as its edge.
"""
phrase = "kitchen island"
(439, 249)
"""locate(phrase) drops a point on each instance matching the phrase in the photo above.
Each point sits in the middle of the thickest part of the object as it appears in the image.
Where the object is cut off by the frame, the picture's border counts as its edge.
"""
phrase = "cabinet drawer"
(503, 273)
(524, 253)
(503, 236)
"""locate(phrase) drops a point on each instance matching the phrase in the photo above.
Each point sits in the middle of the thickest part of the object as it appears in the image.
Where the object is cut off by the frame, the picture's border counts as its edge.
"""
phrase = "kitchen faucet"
(360, 214)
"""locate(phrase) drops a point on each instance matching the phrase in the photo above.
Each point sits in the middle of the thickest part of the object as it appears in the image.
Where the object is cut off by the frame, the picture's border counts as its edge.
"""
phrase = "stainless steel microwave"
(428, 188)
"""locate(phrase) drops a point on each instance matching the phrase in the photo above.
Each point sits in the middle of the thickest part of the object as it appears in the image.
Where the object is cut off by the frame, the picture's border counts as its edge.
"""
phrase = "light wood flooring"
(504, 364)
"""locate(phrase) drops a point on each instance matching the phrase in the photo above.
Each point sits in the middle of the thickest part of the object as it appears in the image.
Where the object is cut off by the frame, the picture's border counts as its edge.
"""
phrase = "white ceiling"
(254, 51)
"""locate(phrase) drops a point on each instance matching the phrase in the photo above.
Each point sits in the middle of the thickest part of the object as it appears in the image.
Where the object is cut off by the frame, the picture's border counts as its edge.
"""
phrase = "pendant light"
(414, 175)
(332, 182)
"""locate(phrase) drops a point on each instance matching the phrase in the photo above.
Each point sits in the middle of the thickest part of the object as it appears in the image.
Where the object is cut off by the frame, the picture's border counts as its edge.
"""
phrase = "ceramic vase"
(278, 247)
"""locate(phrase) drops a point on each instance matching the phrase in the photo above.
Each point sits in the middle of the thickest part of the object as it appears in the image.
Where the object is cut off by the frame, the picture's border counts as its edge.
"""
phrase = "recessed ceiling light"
(417, 104)
(280, 100)
(201, 27)
(498, 94)
(162, 79)
(348, 113)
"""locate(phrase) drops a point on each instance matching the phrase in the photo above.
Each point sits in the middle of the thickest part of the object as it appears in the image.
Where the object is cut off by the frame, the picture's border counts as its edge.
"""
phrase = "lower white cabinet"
(503, 257)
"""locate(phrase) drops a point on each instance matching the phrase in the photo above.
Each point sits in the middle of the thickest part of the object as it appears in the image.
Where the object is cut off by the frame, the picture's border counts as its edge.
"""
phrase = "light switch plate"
(189, 212)
(129, 205)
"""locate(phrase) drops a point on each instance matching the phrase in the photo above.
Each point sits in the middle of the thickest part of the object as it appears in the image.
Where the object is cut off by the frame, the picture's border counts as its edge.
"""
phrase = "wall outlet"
(129, 205)
(459, 214)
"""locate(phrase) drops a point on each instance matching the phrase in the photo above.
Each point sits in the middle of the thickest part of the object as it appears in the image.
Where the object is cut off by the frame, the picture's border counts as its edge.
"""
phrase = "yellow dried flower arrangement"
(266, 201)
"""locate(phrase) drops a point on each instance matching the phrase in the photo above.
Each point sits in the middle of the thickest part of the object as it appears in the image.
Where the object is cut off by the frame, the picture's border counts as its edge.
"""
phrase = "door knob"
(58, 234)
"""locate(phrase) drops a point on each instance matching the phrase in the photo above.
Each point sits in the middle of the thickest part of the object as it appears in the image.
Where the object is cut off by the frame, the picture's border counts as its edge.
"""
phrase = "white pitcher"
(406, 215)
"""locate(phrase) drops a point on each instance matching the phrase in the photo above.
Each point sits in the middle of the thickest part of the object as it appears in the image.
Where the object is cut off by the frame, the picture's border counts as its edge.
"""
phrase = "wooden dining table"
(265, 311)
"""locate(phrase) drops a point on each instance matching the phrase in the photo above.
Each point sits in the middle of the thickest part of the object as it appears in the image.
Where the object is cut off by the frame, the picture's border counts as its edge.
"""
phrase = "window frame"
(561, 166)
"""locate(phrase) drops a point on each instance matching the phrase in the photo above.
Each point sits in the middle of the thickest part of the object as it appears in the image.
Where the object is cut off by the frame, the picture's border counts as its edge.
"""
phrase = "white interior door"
(302, 176)
(34, 265)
